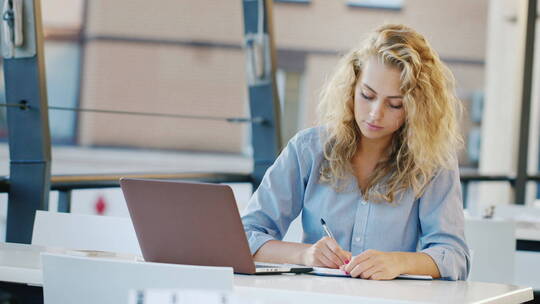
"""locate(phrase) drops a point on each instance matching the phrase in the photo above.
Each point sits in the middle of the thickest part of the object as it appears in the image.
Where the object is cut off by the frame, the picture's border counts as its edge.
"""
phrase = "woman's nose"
(375, 112)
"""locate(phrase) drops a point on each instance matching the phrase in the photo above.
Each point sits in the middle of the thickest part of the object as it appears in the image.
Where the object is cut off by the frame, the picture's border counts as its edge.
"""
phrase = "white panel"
(492, 243)
(88, 232)
(527, 269)
(69, 279)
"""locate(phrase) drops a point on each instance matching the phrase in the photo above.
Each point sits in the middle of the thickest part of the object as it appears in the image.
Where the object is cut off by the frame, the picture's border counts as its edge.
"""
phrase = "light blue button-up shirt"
(432, 224)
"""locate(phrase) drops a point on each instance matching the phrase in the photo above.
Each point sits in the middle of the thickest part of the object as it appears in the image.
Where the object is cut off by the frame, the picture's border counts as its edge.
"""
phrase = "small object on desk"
(489, 212)
(414, 277)
(330, 272)
(92, 253)
(104, 254)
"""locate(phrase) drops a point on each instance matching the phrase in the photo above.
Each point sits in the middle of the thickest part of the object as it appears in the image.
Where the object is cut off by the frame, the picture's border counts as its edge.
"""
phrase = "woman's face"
(378, 104)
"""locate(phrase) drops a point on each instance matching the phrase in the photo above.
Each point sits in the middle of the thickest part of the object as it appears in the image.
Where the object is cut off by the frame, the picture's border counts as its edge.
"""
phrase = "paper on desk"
(322, 271)
(104, 254)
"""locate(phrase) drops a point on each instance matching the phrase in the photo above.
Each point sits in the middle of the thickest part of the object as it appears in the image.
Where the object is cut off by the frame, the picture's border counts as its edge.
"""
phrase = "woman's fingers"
(325, 261)
(358, 269)
(334, 256)
(364, 256)
(381, 276)
(336, 262)
(341, 254)
(368, 273)
(326, 252)
(348, 255)
(373, 265)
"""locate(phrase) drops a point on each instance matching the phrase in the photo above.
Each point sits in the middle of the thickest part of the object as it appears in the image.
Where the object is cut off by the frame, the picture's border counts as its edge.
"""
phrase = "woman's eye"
(366, 96)
(396, 107)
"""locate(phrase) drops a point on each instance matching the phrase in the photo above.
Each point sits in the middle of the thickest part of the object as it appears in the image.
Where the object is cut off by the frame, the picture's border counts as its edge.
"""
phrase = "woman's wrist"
(402, 262)
(416, 263)
(281, 252)
(301, 256)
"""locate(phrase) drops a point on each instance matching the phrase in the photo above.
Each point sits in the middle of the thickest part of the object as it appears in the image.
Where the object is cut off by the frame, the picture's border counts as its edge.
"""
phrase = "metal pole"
(263, 97)
(64, 201)
(465, 194)
(526, 93)
(29, 137)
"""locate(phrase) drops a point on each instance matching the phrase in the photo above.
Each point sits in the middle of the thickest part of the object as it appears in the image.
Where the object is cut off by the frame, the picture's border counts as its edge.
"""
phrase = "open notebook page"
(322, 271)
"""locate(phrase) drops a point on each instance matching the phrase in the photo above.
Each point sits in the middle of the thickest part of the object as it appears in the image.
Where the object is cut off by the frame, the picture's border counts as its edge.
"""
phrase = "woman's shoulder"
(450, 169)
(311, 134)
(310, 138)
(446, 175)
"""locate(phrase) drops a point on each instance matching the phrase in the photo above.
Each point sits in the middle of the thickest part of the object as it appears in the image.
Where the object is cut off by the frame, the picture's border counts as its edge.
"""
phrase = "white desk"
(528, 231)
(21, 264)
(526, 218)
(435, 291)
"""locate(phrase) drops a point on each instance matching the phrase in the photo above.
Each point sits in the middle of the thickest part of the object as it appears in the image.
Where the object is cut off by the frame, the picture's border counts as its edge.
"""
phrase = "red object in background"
(100, 205)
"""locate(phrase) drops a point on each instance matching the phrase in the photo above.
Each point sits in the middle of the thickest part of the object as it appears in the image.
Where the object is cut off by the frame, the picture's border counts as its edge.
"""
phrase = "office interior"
(211, 91)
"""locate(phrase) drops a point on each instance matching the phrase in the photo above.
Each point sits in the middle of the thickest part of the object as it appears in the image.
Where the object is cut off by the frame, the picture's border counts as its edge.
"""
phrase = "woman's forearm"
(281, 252)
(324, 253)
(418, 263)
(294, 253)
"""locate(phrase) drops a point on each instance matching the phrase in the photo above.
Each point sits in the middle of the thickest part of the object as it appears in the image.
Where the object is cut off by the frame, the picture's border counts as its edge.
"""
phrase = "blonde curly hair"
(428, 139)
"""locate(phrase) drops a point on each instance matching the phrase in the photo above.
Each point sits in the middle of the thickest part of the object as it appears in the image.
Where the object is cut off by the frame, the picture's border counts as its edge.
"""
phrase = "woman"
(381, 170)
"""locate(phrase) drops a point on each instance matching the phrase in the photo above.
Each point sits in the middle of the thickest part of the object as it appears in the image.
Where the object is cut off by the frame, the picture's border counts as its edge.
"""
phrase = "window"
(293, 1)
(289, 88)
(378, 4)
(62, 69)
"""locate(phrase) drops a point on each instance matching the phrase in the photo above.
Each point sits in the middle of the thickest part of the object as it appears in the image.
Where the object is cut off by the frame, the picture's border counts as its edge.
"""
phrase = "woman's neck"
(368, 154)
(373, 148)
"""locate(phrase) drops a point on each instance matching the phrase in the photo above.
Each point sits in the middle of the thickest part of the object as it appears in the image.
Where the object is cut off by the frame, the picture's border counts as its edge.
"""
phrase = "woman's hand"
(375, 265)
(325, 253)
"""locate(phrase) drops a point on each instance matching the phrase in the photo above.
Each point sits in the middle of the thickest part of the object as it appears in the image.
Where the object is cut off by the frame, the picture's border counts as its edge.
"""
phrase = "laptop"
(192, 223)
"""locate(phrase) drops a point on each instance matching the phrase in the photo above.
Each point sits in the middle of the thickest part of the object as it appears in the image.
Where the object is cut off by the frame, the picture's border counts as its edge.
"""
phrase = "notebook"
(330, 272)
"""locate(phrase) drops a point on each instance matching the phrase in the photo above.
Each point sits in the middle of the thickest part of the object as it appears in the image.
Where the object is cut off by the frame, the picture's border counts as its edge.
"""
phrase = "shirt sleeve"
(279, 198)
(442, 225)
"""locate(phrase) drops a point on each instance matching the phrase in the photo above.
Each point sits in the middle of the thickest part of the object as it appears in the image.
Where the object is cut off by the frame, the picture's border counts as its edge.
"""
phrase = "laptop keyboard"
(268, 266)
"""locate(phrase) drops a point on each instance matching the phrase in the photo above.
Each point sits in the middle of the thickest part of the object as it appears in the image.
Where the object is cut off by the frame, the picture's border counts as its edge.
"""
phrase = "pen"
(326, 230)
(329, 234)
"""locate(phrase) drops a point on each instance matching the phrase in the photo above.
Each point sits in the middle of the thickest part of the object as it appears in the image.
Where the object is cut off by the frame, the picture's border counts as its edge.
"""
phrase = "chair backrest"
(493, 244)
(74, 279)
(527, 220)
(517, 212)
(295, 231)
(88, 232)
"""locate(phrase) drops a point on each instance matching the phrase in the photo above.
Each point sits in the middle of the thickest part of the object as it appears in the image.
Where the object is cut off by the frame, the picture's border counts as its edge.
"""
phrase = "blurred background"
(188, 58)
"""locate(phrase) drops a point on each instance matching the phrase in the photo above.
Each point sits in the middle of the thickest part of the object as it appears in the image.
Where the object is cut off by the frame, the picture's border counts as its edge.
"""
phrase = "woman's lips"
(373, 127)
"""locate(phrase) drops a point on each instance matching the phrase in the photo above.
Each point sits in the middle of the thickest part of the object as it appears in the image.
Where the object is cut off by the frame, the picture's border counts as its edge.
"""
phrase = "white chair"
(88, 232)
(527, 229)
(517, 212)
(87, 280)
(493, 244)
(295, 231)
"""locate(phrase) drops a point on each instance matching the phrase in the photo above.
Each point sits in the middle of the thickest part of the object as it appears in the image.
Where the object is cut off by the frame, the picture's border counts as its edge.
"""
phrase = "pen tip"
(323, 222)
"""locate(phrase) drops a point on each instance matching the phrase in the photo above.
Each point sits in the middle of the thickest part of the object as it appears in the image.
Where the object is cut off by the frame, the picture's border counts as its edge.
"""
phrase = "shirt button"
(357, 239)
